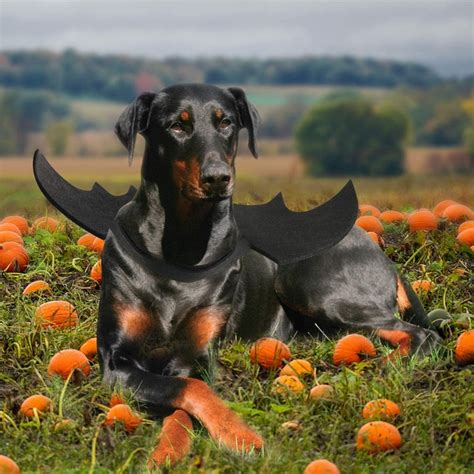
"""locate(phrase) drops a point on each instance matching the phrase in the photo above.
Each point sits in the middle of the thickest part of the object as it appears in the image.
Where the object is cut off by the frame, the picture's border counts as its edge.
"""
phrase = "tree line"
(119, 78)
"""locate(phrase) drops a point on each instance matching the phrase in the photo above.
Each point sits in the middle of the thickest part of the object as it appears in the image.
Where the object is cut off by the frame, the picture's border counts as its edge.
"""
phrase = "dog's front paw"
(225, 426)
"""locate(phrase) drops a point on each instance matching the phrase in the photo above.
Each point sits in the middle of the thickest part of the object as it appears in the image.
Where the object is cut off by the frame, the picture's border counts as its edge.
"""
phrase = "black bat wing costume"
(272, 229)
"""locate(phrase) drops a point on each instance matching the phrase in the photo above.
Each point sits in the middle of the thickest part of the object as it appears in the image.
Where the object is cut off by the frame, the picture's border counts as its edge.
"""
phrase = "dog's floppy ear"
(249, 117)
(134, 119)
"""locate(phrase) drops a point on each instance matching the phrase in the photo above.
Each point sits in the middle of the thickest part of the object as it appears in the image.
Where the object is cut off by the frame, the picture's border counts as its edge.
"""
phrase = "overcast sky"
(434, 32)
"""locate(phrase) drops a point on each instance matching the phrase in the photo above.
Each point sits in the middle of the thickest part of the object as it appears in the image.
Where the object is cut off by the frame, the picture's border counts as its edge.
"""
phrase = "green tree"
(58, 135)
(352, 137)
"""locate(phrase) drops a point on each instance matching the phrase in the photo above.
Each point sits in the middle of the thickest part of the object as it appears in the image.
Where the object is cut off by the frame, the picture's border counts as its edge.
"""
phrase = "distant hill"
(119, 78)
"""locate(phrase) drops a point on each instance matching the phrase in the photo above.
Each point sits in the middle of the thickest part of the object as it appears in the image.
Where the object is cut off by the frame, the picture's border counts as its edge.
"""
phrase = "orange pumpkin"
(441, 206)
(458, 212)
(287, 383)
(369, 210)
(466, 237)
(269, 353)
(96, 271)
(9, 236)
(352, 348)
(464, 351)
(35, 286)
(123, 413)
(423, 286)
(91, 242)
(392, 216)
(47, 223)
(321, 466)
(370, 224)
(89, 348)
(7, 226)
(13, 257)
(38, 403)
(298, 368)
(116, 399)
(376, 238)
(19, 221)
(322, 391)
(67, 361)
(381, 408)
(465, 225)
(422, 219)
(56, 314)
(378, 436)
(8, 466)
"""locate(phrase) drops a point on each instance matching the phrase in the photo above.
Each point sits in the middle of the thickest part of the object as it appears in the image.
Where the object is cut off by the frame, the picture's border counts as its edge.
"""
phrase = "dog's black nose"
(216, 176)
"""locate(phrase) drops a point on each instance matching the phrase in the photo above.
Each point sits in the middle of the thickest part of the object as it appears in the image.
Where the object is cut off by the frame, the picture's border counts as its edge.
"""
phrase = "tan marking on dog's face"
(134, 322)
(219, 114)
(184, 116)
(205, 325)
(402, 298)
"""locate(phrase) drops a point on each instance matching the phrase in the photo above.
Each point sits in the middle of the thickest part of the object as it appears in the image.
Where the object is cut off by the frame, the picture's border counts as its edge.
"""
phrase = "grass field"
(435, 395)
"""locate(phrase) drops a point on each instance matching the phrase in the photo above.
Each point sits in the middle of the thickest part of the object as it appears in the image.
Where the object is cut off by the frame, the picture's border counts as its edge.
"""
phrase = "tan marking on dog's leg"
(174, 442)
(396, 338)
(223, 424)
(402, 298)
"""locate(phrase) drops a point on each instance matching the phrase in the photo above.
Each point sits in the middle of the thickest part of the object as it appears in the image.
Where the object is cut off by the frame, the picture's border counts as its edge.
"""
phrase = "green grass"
(435, 395)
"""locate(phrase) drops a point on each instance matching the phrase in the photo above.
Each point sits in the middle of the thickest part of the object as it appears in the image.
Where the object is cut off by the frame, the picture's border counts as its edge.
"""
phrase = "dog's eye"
(225, 123)
(177, 127)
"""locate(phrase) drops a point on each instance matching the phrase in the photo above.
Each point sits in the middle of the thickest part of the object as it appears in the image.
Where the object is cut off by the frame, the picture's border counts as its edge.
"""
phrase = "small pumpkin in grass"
(322, 391)
(68, 360)
(13, 257)
(96, 271)
(19, 221)
(378, 436)
(381, 408)
(123, 414)
(9, 236)
(7, 226)
(422, 219)
(465, 225)
(116, 399)
(369, 210)
(392, 216)
(269, 353)
(458, 212)
(48, 223)
(321, 466)
(56, 314)
(370, 224)
(466, 237)
(89, 348)
(38, 403)
(441, 206)
(464, 351)
(35, 287)
(8, 466)
(91, 242)
(287, 383)
(298, 368)
(376, 238)
(423, 286)
(352, 348)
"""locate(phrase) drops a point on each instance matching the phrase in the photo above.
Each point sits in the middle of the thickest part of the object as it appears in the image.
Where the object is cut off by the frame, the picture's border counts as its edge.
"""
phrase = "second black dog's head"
(191, 133)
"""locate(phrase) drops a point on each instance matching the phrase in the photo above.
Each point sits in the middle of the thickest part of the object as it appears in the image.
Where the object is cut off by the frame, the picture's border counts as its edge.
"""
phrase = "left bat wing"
(286, 236)
(93, 210)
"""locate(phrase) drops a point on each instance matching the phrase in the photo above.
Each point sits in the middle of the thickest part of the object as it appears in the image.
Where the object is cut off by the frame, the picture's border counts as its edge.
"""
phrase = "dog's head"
(191, 133)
